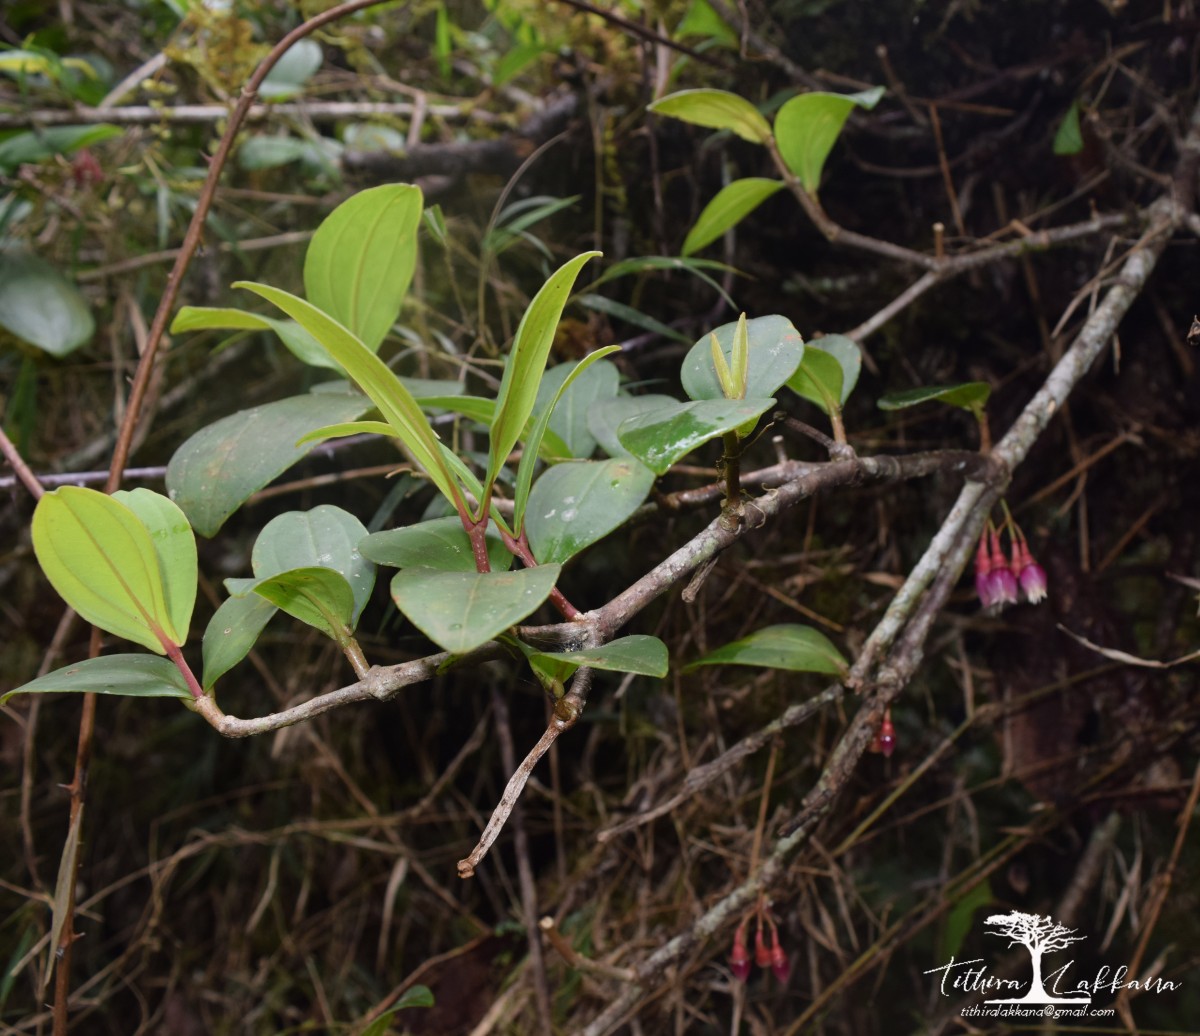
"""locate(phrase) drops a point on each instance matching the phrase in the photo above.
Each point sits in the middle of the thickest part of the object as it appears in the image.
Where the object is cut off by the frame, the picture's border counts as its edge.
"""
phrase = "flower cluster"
(1000, 581)
(765, 955)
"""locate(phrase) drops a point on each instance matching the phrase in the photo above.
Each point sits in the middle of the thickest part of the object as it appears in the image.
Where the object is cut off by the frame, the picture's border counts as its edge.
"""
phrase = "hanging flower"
(1002, 583)
(739, 959)
(1030, 575)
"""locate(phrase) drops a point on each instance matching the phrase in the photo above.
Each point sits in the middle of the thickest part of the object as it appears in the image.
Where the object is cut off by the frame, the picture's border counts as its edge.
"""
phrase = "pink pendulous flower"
(739, 959)
(1002, 583)
(779, 961)
(762, 956)
(983, 568)
(1030, 575)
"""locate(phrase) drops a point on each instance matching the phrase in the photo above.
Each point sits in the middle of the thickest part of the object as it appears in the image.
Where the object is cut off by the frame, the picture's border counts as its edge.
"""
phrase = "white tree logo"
(1038, 935)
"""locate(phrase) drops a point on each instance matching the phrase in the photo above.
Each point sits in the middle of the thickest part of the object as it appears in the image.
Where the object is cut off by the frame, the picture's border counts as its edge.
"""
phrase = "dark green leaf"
(660, 438)
(38, 145)
(612, 308)
(324, 537)
(960, 918)
(459, 611)
(416, 996)
(570, 418)
(796, 648)
(573, 505)
(776, 349)
(605, 418)
(970, 395)
(135, 676)
(441, 543)
(1069, 138)
(733, 203)
(223, 465)
(292, 71)
(41, 307)
(646, 656)
(232, 632)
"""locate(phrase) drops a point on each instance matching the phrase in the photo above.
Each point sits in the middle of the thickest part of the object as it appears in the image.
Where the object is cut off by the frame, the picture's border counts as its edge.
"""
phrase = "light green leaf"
(527, 361)
(299, 342)
(361, 260)
(970, 395)
(660, 438)
(320, 597)
(135, 676)
(483, 410)
(819, 379)
(175, 545)
(341, 431)
(292, 71)
(441, 543)
(733, 203)
(605, 418)
(376, 379)
(646, 656)
(775, 351)
(1069, 138)
(807, 126)
(221, 466)
(232, 632)
(459, 611)
(323, 537)
(573, 505)
(41, 307)
(717, 109)
(99, 557)
(795, 648)
(848, 355)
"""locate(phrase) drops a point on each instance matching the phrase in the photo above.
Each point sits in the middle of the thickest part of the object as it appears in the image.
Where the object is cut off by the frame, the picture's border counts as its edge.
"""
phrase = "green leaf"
(441, 543)
(292, 71)
(717, 109)
(527, 361)
(320, 597)
(376, 379)
(959, 920)
(459, 611)
(660, 438)
(775, 351)
(483, 411)
(416, 996)
(848, 355)
(100, 558)
(175, 545)
(612, 308)
(41, 307)
(605, 418)
(970, 395)
(646, 656)
(361, 260)
(232, 632)
(796, 648)
(1069, 138)
(575, 504)
(299, 342)
(819, 379)
(594, 383)
(730, 206)
(573, 417)
(702, 20)
(324, 537)
(341, 431)
(135, 676)
(221, 466)
(38, 145)
(807, 126)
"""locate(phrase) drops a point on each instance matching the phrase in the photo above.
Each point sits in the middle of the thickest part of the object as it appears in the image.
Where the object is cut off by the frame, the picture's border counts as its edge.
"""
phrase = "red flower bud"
(762, 956)
(886, 736)
(739, 959)
(779, 963)
(1002, 584)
